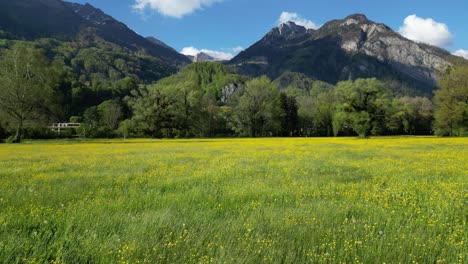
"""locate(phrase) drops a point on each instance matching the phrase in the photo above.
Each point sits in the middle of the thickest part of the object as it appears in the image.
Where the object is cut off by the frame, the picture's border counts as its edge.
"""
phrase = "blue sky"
(226, 25)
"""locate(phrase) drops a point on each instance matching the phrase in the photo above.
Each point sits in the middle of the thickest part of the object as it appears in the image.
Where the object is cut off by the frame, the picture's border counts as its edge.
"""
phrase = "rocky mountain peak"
(357, 17)
(285, 31)
(291, 28)
(202, 56)
(348, 48)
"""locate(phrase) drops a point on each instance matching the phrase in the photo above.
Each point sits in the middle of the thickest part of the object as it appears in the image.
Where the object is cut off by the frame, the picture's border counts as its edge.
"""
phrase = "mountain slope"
(344, 49)
(116, 32)
(160, 43)
(33, 19)
(101, 58)
(217, 80)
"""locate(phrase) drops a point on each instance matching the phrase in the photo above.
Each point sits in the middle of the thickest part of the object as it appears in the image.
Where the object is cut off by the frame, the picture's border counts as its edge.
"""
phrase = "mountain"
(116, 32)
(101, 58)
(34, 19)
(297, 80)
(216, 80)
(203, 57)
(31, 19)
(159, 43)
(350, 48)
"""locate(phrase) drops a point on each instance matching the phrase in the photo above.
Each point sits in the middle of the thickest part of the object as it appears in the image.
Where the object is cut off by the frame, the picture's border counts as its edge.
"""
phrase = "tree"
(111, 114)
(363, 104)
(411, 115)
(151, 109)
(23, 84)
(126, 127)
(361, 123)
(209, 117)
(306, 106)
(92, 117)
(451, 100)
(3, 132)
(322, 113)
(340, 120)
(259, 112)
(186, 107)
(290, 120)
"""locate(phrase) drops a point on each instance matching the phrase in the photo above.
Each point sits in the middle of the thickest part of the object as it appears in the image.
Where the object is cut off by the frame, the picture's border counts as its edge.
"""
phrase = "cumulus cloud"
(461, 53)
(218, 55)
(173, 8)
(426, 30)
(296, 18)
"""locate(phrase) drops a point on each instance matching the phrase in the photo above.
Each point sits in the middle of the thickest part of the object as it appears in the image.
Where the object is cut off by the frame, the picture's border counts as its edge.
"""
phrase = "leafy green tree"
(210, 116)
(92, 117)
(91, 125)
(361, 123)
(305, 109)
(186, 108)
(126, 127)
(322, 113)
(110, 114)
(363, 101)
(319, 87)
(259, 112)
(84, 130)
(24, 84)
(411, 115)
(340, 121)
(451, 100)
(151, 109)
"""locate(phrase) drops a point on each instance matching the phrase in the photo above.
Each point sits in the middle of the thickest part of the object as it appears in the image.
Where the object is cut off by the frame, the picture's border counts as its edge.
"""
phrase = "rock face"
(291, 29)
(344, 49)
(284, 33)
(379, 41)
(202, 57)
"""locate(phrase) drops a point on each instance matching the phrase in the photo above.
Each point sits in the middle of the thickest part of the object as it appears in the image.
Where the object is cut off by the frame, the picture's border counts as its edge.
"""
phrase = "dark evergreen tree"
(290, 120)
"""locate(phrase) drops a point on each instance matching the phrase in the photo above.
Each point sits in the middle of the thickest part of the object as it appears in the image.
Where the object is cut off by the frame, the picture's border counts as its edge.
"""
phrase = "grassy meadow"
(317, 200)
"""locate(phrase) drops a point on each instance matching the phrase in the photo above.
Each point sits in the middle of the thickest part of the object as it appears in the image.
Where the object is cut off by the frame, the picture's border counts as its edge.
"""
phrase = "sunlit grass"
(392, 200)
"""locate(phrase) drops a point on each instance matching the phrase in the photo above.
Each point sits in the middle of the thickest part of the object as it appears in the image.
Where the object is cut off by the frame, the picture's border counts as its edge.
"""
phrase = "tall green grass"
(385, 200)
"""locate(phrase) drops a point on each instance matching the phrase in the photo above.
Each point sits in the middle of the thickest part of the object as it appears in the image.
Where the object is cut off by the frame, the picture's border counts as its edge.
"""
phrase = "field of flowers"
(383, 200)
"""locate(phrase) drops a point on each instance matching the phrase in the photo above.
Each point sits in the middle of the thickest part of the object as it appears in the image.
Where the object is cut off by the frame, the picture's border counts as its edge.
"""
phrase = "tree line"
(210, 100)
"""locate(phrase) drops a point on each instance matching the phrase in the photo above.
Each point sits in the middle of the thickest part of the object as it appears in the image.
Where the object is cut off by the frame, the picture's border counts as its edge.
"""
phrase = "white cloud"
(238, 49)
(218, 55)
(426, 30)
(461, 53)
(296, 18)
(173, 8)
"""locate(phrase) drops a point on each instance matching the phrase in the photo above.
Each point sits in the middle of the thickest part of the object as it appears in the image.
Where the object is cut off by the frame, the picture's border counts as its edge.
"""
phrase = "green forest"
(114, 93)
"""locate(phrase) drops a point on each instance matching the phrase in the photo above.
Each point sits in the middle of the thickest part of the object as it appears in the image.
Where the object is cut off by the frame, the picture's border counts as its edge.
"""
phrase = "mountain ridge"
(344, 49)
(35, 19)
(117, 32)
